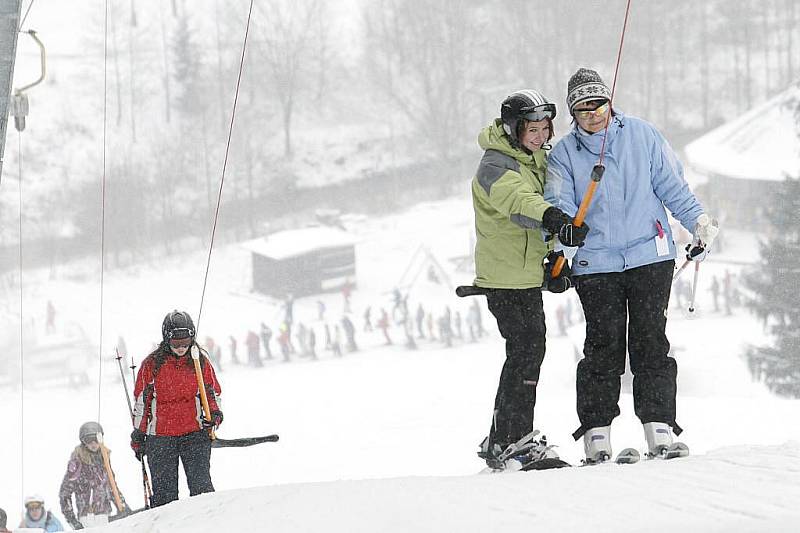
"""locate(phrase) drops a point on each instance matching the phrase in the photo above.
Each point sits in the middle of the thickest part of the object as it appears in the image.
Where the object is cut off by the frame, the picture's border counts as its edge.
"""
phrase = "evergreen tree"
(774, 284)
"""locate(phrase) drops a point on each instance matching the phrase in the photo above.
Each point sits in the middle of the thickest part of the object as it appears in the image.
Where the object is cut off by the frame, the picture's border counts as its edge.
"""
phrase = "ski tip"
(628, 456)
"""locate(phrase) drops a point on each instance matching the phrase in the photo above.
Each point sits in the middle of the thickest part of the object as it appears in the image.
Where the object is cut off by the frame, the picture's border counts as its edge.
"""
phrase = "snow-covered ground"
(384, 439)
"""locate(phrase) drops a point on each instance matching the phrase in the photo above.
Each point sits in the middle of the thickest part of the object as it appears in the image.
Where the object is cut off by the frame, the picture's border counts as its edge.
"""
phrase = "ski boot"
(490, 452)
(660, 444)
(597, 445)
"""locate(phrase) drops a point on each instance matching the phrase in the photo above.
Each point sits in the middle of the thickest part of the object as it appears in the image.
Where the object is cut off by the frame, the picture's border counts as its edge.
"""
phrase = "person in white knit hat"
(623, 273)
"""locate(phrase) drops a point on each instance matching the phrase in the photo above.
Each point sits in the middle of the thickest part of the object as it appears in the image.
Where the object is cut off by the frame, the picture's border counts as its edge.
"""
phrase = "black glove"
(564, 279)
(696, 252)
(216, 420)
(138, 439)
(558, 223)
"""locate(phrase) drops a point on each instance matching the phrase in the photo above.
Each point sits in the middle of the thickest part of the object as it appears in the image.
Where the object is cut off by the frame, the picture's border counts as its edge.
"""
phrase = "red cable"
(614, 84)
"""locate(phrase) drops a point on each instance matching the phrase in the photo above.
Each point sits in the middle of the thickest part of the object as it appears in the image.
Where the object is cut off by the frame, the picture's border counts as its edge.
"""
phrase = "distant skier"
(312, 343)
(347, 291)
(368, 319)
(50, 325)
(429, 323)
(457, 324)
(36, 516)
(284, 341)
(397, 305)
(349, 333)
(253, 349)
(478, 317)
(233, 344)
(302, 339)
(715, 292)
(266, 335)
(336, 344)
(214, 352)
(383, 325)
(408, 329)
(288, 317)
(89, 481)
(169, 421)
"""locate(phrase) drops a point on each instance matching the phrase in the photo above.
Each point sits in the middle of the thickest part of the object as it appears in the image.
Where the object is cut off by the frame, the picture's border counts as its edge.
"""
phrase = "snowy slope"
(741, 488)
(385, 439)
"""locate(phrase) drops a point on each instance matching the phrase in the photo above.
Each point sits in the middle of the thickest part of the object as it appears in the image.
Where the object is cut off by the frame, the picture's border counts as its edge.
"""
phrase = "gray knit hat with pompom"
(586, 84)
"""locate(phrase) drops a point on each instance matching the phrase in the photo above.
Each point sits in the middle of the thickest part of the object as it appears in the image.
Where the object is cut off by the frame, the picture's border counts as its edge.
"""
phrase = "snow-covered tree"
(774, 285)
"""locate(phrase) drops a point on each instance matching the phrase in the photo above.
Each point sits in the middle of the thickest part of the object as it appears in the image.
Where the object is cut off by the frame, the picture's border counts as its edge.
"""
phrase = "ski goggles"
(33, 506)
(180, 343)
(597, 111)
(180, 333)
(89, 439)
(539, 112)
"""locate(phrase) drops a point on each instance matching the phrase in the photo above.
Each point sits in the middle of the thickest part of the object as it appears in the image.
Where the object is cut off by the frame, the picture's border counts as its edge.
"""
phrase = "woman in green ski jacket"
(511, 220)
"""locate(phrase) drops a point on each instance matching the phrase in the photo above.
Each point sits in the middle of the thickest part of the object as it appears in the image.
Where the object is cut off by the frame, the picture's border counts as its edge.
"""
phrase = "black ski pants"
(163, 453)
(520, 318)
(626, 311)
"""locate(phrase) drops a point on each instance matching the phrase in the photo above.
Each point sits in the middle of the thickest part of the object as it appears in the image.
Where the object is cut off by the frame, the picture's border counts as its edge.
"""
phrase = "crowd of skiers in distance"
(397, 323)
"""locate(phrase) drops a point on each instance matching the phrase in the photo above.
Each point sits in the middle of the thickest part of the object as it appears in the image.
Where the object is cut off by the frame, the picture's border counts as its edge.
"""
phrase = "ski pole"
(680, 270)
(200, 385)
(694, 286)
(146, 488)
(125, 385)
(597, 175)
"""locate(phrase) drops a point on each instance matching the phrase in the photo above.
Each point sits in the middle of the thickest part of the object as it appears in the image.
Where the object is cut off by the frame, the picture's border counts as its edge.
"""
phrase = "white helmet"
(34, 498)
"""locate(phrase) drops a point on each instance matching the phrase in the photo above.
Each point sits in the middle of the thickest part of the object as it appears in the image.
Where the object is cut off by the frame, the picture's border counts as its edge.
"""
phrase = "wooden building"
(303, 261)
(736, 166)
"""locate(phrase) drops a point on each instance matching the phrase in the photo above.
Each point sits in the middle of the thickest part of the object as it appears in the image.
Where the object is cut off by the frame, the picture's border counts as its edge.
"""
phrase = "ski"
(675, 450)
(545, 463)
(524, 455)
(243, 442)
(628, 456)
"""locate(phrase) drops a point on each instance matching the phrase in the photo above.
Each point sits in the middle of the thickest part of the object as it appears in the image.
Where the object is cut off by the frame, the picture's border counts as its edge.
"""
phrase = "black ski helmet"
(526, 104)
(89, 429)
(177, 325)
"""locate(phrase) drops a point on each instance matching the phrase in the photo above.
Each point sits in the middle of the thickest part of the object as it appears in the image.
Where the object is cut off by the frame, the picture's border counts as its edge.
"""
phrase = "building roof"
(296, 242)
(761, 144)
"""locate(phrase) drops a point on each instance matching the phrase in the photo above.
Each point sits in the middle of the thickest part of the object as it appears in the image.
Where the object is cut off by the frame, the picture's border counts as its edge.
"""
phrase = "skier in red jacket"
(169, 422)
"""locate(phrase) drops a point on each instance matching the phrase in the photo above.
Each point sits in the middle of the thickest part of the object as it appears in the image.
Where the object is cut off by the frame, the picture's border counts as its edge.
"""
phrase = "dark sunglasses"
(90, 439)
(539, 112)
(33, 506)
(180, 343)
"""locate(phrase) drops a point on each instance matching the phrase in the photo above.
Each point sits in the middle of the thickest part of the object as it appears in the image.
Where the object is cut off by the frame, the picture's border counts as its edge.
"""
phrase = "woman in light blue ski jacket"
(623, 273)
(627, 213)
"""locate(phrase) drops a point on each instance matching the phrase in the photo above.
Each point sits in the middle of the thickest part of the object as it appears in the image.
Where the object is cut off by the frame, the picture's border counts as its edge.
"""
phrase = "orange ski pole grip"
(202, 388)
(597, 175)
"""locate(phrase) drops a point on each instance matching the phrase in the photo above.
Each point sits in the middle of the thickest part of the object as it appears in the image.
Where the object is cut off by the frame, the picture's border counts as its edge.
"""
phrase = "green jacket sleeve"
(515, 198)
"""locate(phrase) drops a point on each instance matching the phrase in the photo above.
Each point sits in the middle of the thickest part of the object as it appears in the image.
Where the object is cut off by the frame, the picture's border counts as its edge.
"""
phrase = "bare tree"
(420, 55)
(290, 40)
